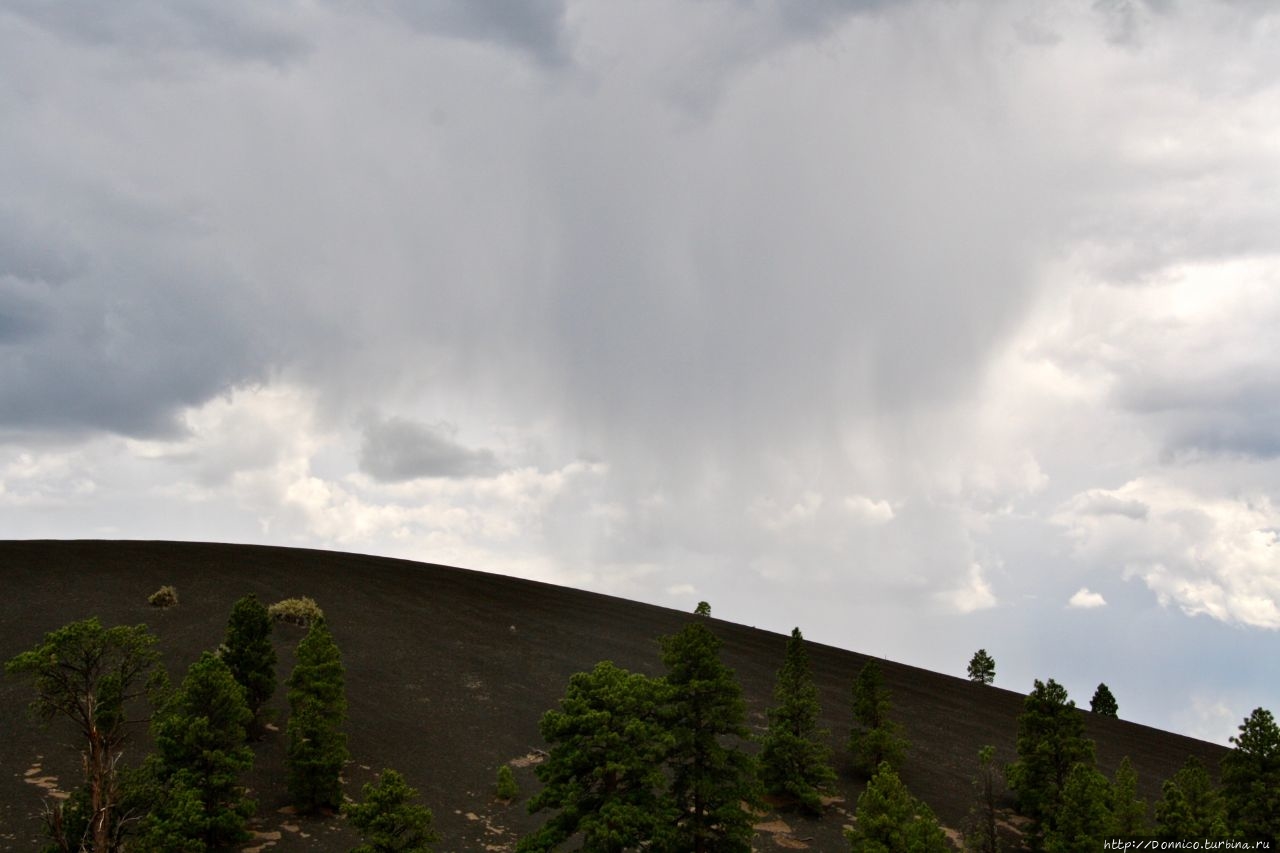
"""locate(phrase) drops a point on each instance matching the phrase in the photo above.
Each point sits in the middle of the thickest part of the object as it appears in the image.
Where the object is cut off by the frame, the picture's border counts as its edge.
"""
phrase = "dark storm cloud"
(398, 449)
(535, 26)
(1227, 411)
(102, 353)
(231, 29)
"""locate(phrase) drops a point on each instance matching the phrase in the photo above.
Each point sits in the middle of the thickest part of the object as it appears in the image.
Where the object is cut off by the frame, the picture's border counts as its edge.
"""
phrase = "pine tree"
(710, 780)
(795, 761)
(603, 773)
(1103, 703)
(983, 835)
(875, 738)
(249, 653)
(1050, 742)
(200, 739)
(1251, 778)
(506, 788)
(982, 667)
(1190, 806)
(1128, 813)
(389, 819)
(1084, 816)
(890, 820)
(92, 676)
(317, 746)
(703, 609)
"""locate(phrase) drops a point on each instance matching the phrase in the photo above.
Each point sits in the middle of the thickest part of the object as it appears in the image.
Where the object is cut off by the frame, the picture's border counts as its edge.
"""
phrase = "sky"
(924, 326)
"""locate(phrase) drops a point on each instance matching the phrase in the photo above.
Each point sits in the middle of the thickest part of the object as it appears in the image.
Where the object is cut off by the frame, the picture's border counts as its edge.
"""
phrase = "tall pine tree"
(1128, 812)
(1084, 816)
(317, 747)
(250, 655)
(874, 738)
(93, 676)
(603, 774)
(710, 779)
(200, 736)
(1050, 742)
(1190, 806)
(795, 762)
(1251, 778)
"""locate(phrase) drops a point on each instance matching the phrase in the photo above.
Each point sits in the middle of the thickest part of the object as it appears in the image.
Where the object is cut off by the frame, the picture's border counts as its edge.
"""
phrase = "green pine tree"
(1103, 703)
(389, 819)
(890, 820)
(1050, 742)
(1251, 778)
(200, 736)
(982, 667)
(1190, 806)
(795, 761)
(1128, 812)
(874, 738)
(317, 747)
(710, 780)
(93, 676)
(983, 835)
(1084, 816)
(603, 774)
(249, 653)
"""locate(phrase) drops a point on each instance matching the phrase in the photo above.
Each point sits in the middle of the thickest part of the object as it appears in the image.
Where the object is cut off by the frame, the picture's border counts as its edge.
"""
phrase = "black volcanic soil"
(448, 673)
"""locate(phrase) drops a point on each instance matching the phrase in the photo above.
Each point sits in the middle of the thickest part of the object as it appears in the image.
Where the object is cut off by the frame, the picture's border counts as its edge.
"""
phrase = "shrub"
(507, 788)
(165, 596)
(298, 611)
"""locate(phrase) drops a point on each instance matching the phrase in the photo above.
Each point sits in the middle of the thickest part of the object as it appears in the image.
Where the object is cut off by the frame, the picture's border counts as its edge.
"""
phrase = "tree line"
(187, 795)
(635, 762)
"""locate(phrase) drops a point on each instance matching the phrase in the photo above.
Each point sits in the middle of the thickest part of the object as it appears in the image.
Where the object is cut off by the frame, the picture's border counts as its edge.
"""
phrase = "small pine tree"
(1103, 703)
(710, 780)
(795, 761)
(1084, 817)
(317, 746)
(1190, 806)
(1128, 813)
(249, 653)
(1050, 742)
(603, 773)
(506, 788)
(200, 736)
(982, 667)
(703, 609)
(1251, 778)
(389, 819)
(890, 820)
(983, 835)
(875, 738)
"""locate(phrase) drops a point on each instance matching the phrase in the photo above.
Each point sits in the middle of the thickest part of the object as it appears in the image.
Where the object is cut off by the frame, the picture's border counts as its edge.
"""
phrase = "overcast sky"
(923, 326)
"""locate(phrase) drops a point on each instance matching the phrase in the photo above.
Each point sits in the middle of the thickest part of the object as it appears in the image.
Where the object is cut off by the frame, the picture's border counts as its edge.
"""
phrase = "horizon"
(925, 327)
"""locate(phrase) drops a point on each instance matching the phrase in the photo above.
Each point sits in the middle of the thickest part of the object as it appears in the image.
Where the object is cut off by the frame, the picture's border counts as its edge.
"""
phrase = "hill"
(448, 673)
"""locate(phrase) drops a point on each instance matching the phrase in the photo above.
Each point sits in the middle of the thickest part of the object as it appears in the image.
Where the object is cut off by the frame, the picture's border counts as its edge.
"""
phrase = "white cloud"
(1204, 553)
(974, 594)
(1087, 600)
(868, 511)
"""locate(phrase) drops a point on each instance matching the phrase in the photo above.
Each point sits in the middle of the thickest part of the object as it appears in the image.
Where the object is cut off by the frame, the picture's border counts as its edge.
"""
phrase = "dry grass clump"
(298, 611)
(165, 596)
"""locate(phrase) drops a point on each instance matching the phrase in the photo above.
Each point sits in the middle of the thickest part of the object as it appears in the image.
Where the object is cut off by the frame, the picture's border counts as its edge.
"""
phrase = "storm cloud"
(397, 449)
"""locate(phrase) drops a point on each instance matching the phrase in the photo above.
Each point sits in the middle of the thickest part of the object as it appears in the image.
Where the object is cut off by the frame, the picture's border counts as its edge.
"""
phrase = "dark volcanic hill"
(448, 673)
